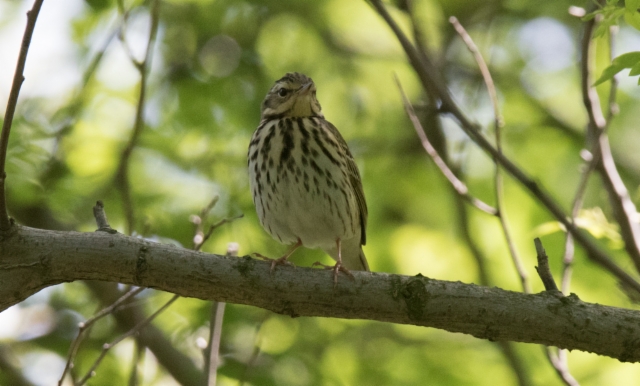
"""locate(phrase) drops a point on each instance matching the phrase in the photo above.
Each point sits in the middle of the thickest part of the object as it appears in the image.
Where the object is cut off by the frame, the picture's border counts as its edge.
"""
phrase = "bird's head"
(293, 95)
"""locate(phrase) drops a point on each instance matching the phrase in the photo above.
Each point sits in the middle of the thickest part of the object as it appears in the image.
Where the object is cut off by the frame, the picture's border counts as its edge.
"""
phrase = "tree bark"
(32, 259)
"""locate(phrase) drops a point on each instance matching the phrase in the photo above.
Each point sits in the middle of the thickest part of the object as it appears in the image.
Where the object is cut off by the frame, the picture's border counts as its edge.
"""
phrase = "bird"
(305, 183)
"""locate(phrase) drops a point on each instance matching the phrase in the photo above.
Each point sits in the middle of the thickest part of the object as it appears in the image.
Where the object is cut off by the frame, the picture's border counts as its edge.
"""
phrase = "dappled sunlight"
(76, 139)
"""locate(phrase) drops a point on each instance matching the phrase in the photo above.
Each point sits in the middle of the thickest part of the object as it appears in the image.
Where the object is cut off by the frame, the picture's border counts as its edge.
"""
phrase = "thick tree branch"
(32, 259)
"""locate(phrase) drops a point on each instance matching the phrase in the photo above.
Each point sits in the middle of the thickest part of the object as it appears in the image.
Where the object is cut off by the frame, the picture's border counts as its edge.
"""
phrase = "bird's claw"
(280, 261)
(335, 268)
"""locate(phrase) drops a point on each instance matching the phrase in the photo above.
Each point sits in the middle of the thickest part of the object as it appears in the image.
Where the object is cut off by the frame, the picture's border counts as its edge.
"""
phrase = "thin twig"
(84, 326)
(254, 355)
(457, 184)
(200, 237)
(122, 176)
(101, 218)
(199, 220)
(543, 267)
(418, 32)
(18, 79)
(459, 187)
(463, 223)
(212, 352)
(432, 82)
(591, 159)
(559, 362)
(569, 248)
(613, 107)
(215, 226)
(507, 348)
(138, 355)
(498, 123)
(624, 210)
(107, 346)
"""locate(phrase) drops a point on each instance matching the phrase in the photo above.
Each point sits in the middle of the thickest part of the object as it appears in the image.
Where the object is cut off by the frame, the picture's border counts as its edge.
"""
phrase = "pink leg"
(282, 260)
(338, 266)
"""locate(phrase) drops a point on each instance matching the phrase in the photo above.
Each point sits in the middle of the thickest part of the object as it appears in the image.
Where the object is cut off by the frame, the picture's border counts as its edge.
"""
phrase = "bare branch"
(122, 176)
(179, 365)
(591, 159)
(75, 345)
(101, 218)
(457, 184)
(507, 348)
(498, 123)
(559, 361)
(624, 210)
(543, 267)
(432, 82)
(212, 353)
(32, 259)
(578, 199)
(107, 346)
(18, 79)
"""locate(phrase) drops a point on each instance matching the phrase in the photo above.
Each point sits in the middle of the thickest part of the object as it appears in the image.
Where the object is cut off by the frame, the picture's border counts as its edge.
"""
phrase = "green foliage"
(213, 62)
(611, 13)
(629, 60)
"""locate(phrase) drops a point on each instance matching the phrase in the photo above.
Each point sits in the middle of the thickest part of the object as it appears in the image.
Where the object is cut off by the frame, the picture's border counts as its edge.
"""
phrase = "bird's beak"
(306, 88)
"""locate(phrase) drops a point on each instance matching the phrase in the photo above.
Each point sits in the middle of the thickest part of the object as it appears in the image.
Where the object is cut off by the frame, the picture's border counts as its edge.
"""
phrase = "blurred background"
(211, 64)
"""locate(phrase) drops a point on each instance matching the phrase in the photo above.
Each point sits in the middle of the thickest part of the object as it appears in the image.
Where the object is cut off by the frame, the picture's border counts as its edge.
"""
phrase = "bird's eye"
(283, 92)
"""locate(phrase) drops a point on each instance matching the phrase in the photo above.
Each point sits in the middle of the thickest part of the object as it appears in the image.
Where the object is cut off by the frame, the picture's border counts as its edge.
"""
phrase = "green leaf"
(632, 5)
(635, 70)
(623, 61)
(633, 19)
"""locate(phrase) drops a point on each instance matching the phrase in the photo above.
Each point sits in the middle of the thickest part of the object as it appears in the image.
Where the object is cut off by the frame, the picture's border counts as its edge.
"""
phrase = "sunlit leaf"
(632, 5)
(623, 61)
(633, 19)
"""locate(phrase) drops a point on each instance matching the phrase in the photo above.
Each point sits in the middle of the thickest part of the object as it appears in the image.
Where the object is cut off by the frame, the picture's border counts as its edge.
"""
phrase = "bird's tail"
(363, 261)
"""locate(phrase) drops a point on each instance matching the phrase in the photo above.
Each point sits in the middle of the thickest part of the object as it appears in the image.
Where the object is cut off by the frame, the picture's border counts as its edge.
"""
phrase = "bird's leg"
(338, 266)
(282, 260)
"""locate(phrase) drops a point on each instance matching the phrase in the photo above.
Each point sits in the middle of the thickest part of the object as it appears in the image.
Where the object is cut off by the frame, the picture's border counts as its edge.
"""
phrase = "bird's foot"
(280, 261)
(338, 267)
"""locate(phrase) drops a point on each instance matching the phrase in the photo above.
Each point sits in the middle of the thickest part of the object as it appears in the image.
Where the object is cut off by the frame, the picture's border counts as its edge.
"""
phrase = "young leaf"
(628, 60)
(635, 70)
(632, 5)
(633, 19)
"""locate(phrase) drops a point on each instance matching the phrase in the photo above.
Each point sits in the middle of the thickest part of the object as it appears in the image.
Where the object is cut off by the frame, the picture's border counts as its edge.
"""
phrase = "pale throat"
(302, 107)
